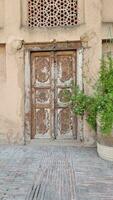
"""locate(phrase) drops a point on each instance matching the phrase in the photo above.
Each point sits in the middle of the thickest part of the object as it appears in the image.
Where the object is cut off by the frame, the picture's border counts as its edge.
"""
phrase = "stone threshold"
(58, 142)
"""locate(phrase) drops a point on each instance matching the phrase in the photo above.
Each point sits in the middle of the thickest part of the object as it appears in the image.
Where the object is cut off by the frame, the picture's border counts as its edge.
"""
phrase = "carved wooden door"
(65, 73)
(52, 72)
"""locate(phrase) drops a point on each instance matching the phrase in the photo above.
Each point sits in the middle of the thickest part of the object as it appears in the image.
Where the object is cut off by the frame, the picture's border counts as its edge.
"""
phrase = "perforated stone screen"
(52, 13)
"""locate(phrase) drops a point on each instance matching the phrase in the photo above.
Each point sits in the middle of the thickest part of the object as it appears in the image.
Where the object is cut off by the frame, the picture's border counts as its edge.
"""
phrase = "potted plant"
(98, 107)
(104, 115)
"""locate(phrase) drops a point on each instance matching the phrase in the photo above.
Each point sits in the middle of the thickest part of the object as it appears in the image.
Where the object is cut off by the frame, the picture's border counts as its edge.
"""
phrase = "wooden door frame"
(42, 47)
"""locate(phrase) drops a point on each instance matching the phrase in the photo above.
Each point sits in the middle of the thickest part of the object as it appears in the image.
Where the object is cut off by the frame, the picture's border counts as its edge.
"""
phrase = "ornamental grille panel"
(52, 13)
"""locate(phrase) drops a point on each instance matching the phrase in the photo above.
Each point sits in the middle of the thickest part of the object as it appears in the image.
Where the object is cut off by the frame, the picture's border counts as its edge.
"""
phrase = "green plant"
(81, 103)
(78, 101)
(104, 95)
(91, 112)
(100, 104)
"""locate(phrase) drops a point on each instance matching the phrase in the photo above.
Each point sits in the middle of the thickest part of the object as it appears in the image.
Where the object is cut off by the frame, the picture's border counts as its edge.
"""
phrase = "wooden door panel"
(64, 65)
(43, 97)
(42, 71)
(61, 101)
(43, 125)
(64, 121)
(42, 114)
(65, 74)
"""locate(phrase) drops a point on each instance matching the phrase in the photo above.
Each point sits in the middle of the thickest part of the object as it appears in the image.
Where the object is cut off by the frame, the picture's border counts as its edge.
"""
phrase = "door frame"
(43, 47)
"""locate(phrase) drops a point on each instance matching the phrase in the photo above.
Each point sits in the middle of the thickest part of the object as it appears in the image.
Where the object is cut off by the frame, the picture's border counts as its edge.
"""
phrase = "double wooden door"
(51, 74)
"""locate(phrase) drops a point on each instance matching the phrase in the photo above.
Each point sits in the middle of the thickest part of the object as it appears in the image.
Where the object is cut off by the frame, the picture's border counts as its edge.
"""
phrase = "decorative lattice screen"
(51, 13)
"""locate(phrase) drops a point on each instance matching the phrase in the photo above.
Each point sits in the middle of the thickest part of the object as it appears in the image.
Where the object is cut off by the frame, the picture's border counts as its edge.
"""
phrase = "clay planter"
(105, 148)
(104, 144)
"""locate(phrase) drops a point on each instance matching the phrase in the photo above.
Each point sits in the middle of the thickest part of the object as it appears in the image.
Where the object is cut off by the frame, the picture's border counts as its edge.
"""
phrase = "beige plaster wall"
(2, 9)
(13, 22)
(13, 25)
(11, 94)
(91, 41)
(89, 31)
(107, 11)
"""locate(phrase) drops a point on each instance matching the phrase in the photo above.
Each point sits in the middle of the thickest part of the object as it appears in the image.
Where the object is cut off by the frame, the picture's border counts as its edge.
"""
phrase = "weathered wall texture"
(107, 11)
(2, 9)
(13, 31)
(91, 41)
(11, 96)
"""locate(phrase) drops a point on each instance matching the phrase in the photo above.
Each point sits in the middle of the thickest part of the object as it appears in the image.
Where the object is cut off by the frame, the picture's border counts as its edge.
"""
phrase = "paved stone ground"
(54, 173)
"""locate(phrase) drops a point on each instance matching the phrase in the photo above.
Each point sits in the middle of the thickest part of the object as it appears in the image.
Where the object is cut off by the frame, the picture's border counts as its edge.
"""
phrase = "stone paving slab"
(54, 173)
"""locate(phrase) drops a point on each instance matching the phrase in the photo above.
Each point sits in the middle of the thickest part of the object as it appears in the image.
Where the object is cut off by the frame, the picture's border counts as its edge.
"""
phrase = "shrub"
(100, 103)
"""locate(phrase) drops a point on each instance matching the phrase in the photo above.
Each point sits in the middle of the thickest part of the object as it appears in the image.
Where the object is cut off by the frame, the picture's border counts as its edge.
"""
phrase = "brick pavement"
(54, 173)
